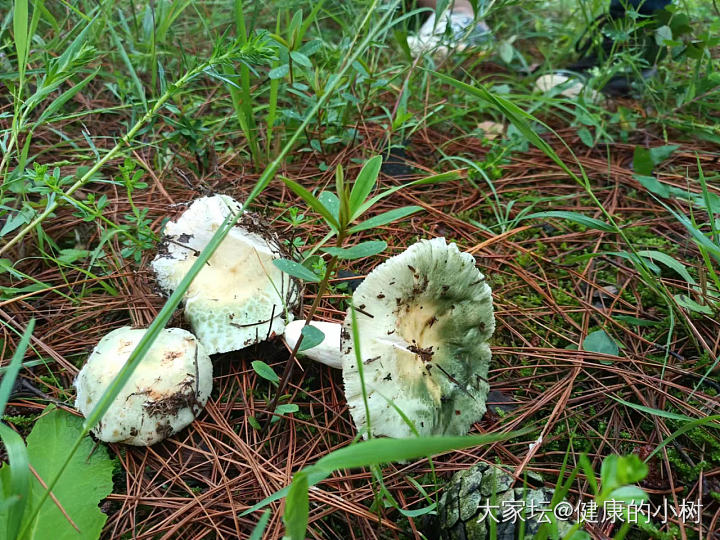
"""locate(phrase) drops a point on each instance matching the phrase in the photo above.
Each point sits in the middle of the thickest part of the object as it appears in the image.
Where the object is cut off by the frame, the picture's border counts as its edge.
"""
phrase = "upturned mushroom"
(424, 318)
(239, 297)
(164, 394)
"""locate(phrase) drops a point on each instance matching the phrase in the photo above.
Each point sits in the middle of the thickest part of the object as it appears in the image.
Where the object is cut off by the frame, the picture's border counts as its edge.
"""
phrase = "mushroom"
(166, 391)
(328, 351)
(239, 297)
(423, 321)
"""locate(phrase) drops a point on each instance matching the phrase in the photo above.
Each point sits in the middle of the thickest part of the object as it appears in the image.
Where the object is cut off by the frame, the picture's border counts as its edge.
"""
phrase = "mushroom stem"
(328, 351)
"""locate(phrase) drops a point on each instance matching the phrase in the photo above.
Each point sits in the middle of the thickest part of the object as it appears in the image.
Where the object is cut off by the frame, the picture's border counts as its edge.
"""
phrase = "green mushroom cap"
(423, 320)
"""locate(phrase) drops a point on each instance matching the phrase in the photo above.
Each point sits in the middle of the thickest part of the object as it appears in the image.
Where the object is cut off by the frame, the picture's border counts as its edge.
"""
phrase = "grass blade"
(364, 183)
(12, 370)
(19, 479)
(20, 31)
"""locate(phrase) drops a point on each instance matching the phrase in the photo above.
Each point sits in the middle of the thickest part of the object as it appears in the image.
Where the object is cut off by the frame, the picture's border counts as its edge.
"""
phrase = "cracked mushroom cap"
(423, 320)
(239, 296)
(164, 394)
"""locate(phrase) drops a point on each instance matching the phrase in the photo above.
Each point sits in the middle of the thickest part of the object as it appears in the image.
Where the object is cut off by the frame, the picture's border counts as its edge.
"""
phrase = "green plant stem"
(287, 372)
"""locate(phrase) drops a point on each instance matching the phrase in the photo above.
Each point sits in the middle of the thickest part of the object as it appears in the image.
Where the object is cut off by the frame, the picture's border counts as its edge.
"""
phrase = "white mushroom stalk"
(423, 320)
(240, 297)
(163, 395)
(328, 351)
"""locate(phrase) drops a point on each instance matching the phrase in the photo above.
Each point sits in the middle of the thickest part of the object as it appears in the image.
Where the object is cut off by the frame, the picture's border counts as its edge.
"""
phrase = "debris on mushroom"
(164, 394)
(423, 320)
(239, 297)
(326, 352)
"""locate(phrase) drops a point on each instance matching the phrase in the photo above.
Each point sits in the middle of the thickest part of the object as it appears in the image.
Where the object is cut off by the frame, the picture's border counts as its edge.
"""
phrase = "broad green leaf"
(297, 270)
(265, 371)
(312, 336)
(363, 249)
(575, 217)
(600, 342)
(85, 482)
(297, 507)
(312, 202)
(385, 218)
(364, 183)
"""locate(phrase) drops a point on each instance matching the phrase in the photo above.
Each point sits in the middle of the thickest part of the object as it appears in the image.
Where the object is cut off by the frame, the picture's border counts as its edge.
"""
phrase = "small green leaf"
(668, 261)
(662, 35)
(506, 51)
(265, 371)
(600, 342)
(296, 270)
(254, 423)
(688, 303)
(419, 512)
(385, 218)
(300, 59)
(297, 507)
(364, 183)
(330, 201)
(364, 249)
(653, 185)
(279, 72)
(642, 162)
(312, 202)
(312, 336)
(659, 154)
(629, 319)
(280, 410)
(586, 137)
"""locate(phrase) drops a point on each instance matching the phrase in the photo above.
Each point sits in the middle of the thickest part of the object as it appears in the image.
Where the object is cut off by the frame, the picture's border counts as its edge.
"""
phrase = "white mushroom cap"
(166, 391)
(239, 296)
(423, 320)
(326, 352)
